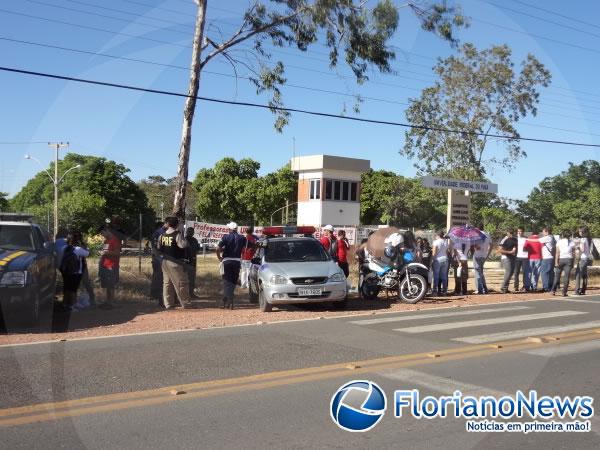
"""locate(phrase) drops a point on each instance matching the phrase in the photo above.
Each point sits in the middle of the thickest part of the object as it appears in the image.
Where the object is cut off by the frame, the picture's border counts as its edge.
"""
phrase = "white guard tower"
(329, 189)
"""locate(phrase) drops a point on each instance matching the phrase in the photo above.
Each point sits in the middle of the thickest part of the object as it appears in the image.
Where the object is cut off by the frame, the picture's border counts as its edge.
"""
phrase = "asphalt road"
(270, 386)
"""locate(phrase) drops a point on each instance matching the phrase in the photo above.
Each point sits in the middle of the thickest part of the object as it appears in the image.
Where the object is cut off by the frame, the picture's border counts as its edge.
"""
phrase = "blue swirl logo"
(358, 406)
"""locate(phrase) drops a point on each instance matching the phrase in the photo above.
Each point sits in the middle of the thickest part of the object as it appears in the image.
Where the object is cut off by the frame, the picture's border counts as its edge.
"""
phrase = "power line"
(554, 13)
(545, 38)
(188, 46)
(87, 27)
(296, 86)
(106, 16)
(569, 27)
(294, 110)
(25, 142)
(129, 13)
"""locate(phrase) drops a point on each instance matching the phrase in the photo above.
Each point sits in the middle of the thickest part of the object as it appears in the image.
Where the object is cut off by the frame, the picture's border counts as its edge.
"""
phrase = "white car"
(288, 270)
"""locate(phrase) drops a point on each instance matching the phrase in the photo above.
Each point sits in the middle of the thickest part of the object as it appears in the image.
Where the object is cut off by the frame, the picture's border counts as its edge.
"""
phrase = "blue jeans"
(535, 266)
(522, 263)
(581, 275)
(564, 268)
(479, 275)
(440, 272)
(547, 272)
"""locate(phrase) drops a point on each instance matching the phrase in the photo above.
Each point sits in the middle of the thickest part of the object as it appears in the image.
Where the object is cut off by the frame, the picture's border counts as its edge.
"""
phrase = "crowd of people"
(536, 262)
(531, 263)
(71, 261)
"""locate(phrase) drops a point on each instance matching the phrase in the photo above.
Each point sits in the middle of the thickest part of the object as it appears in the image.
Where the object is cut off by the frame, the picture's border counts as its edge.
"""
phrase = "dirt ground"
(135, 312)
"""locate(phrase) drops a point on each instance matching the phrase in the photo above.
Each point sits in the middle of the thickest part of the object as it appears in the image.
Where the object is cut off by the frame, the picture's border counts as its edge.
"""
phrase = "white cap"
(328, 227)
(232, 226)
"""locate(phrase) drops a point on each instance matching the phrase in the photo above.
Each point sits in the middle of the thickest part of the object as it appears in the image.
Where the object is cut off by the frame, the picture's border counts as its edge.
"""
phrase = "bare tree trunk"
(188, 113)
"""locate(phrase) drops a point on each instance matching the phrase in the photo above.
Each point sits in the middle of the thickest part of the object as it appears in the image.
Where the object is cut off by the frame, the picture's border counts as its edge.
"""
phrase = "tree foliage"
(232, 190)
(478, 93)
(387, 198)
(567, 200)
(4, 204)
(355, 32)
(160, 190)
(99, 189)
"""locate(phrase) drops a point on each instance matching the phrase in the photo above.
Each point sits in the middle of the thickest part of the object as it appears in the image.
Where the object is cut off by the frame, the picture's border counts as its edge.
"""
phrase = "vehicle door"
(256, 262)
(45, 264)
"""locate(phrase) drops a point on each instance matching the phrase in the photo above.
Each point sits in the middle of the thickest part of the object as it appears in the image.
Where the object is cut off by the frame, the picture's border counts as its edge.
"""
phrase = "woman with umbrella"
(464, 237)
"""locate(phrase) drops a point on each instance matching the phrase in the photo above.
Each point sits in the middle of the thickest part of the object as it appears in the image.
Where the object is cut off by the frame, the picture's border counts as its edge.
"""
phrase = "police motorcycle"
(395, 273)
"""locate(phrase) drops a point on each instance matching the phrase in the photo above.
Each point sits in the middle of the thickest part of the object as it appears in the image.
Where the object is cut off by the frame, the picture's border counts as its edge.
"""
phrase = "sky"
(143, 130)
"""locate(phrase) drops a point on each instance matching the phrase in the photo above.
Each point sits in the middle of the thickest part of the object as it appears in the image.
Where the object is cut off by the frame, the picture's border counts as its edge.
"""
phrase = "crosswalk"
(482, 322)
(471, 312)
(497, 323)
(516, 334)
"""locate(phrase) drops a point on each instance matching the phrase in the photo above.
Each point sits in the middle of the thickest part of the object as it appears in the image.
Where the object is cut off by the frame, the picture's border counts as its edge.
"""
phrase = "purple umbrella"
(466, 234)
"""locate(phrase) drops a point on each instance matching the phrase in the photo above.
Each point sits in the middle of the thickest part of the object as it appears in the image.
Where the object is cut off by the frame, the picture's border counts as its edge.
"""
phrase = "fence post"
(140, 247)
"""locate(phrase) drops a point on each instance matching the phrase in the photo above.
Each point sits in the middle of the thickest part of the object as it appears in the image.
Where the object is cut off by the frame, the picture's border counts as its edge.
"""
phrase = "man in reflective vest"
(171, 245)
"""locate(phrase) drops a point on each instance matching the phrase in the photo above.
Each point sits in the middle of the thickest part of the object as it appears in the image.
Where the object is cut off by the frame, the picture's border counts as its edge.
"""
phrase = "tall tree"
(387, 198)
(349, 27)
(478, 93)
(100, 188)
(232, 190)
(567, 200)
(4, 204)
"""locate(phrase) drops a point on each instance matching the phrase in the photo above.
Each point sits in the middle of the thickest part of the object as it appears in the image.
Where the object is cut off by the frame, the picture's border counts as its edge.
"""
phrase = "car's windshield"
(15, 237)
(295, 251)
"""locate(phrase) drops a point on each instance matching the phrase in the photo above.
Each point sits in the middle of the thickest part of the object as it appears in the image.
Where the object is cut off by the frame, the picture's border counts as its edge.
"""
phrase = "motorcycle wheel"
(369, 288)
(413, 292)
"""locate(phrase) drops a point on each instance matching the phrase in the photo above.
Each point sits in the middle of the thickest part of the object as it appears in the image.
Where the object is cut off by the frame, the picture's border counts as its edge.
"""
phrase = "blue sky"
(143, 131)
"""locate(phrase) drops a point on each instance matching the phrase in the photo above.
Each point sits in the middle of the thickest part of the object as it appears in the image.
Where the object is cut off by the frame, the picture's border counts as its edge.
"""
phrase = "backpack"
(333, 250)
(70, 262)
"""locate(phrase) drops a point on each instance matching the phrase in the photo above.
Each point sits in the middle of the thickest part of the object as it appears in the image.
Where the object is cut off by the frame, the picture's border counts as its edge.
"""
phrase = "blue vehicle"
(27, 271)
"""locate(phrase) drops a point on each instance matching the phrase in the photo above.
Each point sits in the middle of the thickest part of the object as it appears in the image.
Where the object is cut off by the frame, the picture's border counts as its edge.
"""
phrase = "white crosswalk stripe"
(446, 386)
(515, 334)
(471, 312)
(580, 300)
(565, 349)
(482, 322)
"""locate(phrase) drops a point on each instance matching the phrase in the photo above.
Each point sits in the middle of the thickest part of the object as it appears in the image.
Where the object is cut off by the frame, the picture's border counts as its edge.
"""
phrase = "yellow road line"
(115, 402)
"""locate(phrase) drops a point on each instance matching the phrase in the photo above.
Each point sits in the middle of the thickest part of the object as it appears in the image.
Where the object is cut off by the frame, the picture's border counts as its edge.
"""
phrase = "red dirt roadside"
(133, 317)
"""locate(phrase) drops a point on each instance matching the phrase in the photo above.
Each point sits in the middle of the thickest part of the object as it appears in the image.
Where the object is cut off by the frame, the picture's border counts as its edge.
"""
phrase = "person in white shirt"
(565, 249)
(585, 260)
(522, 262)
(548, 251)
(439, 264)
(481, 253)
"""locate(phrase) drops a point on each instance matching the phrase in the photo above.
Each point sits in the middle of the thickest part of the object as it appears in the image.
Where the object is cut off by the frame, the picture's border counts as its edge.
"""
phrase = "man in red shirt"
(328, 238)
(108, 270)
(341, 246)
(247, 254)
(533, 247)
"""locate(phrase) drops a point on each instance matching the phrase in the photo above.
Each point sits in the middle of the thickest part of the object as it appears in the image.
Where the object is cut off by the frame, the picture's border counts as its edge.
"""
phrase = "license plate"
(309, 292)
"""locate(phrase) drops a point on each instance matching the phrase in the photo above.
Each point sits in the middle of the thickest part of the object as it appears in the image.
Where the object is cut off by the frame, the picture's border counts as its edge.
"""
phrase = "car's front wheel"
(263, 304)
(253, 295)
(340, 305)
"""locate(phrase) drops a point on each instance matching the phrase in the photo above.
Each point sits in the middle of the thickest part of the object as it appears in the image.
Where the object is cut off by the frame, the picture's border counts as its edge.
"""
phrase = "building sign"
(459, 209)
(460, 185)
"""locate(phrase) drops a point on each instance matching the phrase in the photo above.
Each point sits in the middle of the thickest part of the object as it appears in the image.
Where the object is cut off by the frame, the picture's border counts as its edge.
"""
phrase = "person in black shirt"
(229, 253)
(191, 252)
(156, 285)
(171, 245)
(508, 250)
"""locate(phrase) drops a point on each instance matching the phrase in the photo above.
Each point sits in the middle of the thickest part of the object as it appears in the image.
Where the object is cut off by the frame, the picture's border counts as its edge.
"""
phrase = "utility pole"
(57, 146)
